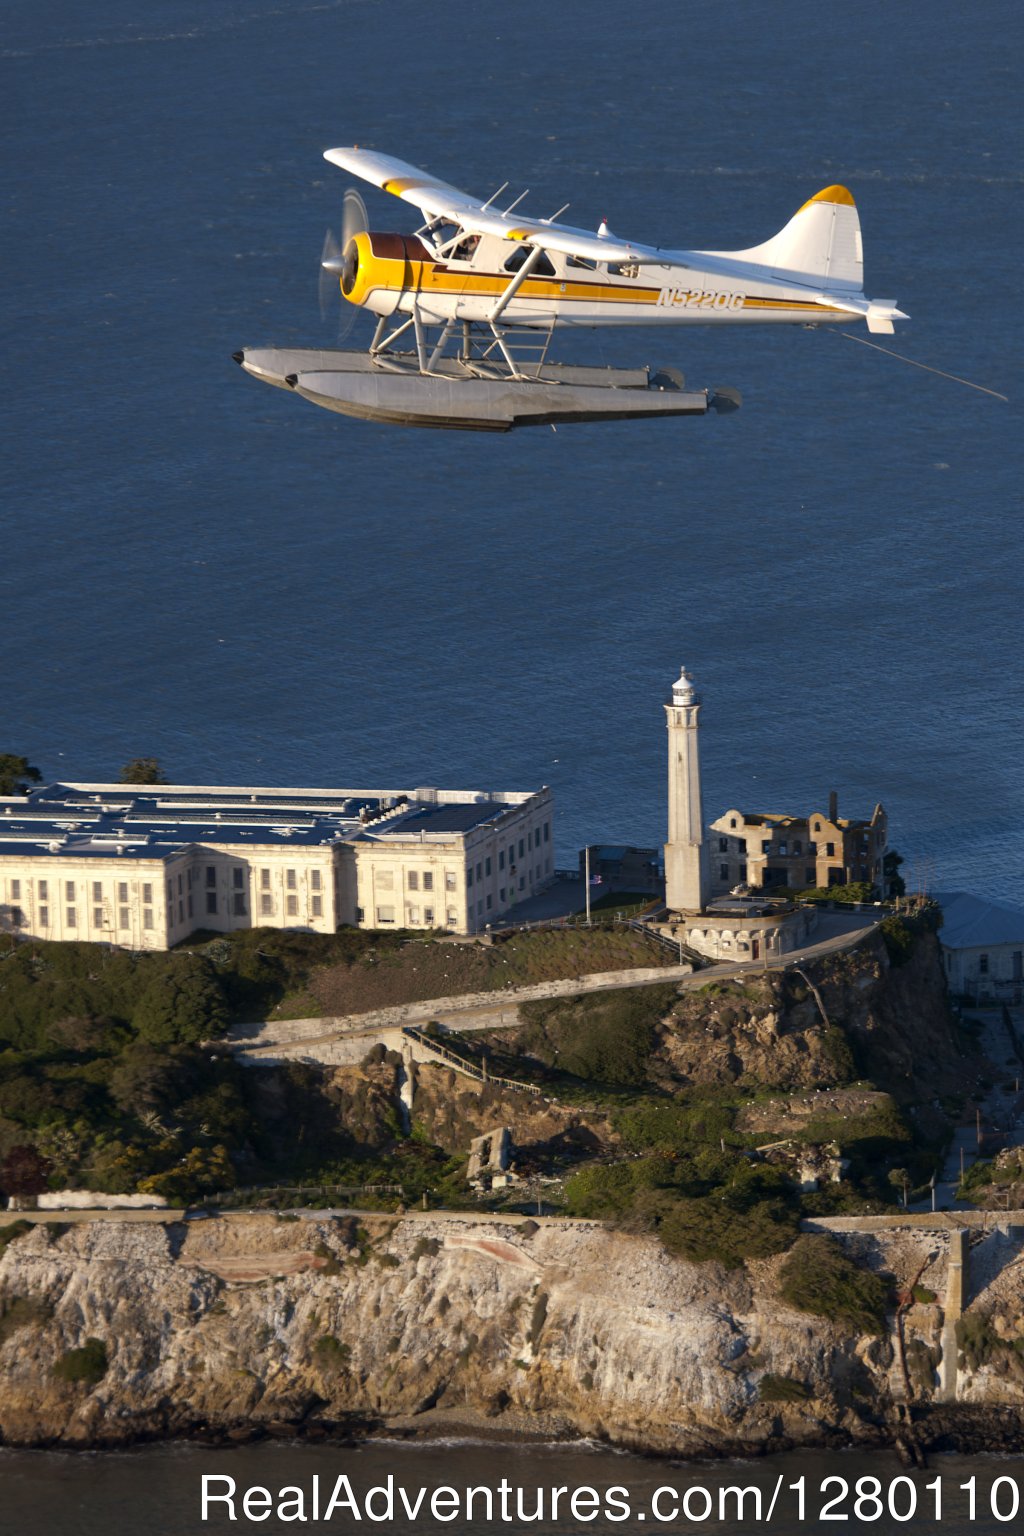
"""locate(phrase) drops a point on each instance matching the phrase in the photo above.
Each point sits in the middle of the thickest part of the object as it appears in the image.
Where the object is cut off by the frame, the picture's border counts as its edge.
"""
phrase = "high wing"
(820, 249)
(439, 200)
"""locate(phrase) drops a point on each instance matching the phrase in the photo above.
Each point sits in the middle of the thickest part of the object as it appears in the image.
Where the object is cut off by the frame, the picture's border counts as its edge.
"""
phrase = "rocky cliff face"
(228, 1326)
(887, 1022)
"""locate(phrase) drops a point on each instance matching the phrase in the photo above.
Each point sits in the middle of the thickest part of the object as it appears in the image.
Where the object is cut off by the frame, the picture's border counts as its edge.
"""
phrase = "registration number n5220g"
(697, 298)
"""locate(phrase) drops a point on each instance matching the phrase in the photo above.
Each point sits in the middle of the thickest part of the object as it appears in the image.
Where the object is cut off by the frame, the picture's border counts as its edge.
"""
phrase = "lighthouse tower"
(686, 856)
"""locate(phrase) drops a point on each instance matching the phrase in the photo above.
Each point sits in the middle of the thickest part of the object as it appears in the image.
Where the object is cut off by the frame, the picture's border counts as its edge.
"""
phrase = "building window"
(723, 871)
(211, 878)
(318, 906)
(359, 915)
(289, 879)
(487, 866)
(44, 917)
(15, 889)
(428, 880)
(69, 890)
(190, 906)
(983, 965)
(798, 846)
(122, 916)
(315, 879)
(414, 914)
(239, 904)
(237, 877)
(812, 848)
(783, 849)
(522, 848)
(97, 917)
(293, 906)
(413, 880)
(522, 883)
(385, 914)
(809, 876)
(428, 916)
(479, 872)
(147, 917)
(723, 845)
(817, 826)
(501, 895)
(181, 911)
(264, 879)
(453, 917)
(147, 893)
(830, 850)
(732, 821)
(490, 903)
(449, 881)
(170, 894)
(501, 858)
(266, 904)
(43, 891)
(547, 831)
(179, 885)
(469, 878)
(211, 901)
(72, 918)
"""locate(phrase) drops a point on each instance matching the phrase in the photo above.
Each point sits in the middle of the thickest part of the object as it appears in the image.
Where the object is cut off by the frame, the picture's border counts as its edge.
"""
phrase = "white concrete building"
(143, 866)
(982, 947)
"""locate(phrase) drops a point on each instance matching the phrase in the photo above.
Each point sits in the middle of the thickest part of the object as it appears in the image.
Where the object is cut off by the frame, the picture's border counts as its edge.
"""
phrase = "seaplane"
(467, 305)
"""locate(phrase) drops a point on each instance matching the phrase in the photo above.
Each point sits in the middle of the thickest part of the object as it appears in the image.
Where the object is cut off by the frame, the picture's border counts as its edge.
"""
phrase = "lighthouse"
(686, 855)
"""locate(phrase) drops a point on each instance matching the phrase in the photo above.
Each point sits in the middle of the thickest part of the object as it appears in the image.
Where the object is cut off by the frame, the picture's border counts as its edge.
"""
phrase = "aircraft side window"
(624, 269)
(583, 263)
(542, 267)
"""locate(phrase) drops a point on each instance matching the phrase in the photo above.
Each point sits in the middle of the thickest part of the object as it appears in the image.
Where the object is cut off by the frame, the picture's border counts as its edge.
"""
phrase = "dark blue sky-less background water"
(201, 568)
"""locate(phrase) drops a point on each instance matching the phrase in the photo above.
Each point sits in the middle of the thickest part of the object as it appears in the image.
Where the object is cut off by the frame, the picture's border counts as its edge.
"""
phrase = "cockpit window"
(583, 263)
(542, 267)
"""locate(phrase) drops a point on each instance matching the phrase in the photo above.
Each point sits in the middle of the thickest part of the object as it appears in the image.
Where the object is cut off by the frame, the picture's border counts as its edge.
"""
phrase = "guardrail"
(468, 1068)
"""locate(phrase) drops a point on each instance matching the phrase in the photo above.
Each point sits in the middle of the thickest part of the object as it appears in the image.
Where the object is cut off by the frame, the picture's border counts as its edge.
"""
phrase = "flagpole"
(586, 860)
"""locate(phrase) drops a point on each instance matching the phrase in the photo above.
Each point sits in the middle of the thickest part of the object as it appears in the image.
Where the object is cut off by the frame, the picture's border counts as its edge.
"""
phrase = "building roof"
(157, 821)
(972, 922)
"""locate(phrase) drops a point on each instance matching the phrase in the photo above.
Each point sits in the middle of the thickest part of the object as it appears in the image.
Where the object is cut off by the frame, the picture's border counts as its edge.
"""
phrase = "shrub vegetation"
(818, 1277)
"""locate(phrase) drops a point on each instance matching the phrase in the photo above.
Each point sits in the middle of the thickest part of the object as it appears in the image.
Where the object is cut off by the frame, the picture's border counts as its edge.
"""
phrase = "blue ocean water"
(255, 591)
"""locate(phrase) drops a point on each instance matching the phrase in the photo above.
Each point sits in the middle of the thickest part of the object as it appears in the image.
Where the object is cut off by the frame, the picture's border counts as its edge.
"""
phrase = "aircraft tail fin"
(821, 244)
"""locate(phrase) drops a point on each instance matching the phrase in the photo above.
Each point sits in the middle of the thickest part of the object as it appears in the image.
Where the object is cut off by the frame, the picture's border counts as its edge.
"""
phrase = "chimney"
(833, 806)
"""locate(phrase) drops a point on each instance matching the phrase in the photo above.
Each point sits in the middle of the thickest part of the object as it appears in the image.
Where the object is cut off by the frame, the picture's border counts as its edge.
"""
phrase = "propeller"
(338, 260)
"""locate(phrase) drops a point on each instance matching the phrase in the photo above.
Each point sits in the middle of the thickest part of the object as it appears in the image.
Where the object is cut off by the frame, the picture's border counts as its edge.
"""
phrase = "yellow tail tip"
(834, 194)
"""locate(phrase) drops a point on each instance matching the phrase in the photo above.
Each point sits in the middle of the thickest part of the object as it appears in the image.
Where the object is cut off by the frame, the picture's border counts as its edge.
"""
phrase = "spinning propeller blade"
(336, 256)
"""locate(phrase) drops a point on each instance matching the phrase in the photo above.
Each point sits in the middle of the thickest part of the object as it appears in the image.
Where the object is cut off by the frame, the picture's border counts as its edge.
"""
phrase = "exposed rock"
(229, 1326)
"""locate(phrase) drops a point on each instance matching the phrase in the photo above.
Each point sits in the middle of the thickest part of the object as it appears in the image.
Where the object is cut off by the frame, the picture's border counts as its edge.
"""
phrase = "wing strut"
(518, 280)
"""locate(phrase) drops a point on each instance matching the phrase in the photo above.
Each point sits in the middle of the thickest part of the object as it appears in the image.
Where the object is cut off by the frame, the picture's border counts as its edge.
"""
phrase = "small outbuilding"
(982, 947)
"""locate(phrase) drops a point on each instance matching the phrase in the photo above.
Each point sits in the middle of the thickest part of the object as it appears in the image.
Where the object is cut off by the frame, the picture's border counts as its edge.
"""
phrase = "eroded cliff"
(229, 1326)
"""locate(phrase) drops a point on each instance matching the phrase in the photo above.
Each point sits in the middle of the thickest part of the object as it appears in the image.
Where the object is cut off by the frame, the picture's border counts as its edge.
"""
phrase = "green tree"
(183, 1005)
(142, 770)
(893, 883)
(899, 1178)
(16, 774)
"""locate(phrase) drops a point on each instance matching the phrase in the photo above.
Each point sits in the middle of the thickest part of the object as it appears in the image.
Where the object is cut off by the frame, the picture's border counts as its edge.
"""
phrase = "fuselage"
(392, 274)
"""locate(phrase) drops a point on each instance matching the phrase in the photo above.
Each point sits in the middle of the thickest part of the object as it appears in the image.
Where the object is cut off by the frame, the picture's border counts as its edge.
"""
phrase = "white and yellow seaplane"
(477, 292)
